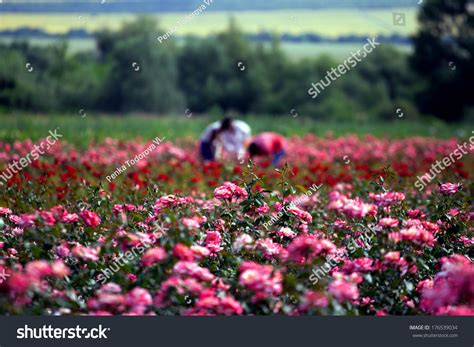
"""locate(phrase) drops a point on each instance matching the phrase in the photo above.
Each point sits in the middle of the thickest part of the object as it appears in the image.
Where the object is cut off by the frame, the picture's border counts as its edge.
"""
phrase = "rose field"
(128, 227)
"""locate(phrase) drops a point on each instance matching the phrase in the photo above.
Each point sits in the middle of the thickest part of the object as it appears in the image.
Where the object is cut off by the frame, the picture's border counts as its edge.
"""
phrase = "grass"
(81, 131)
(334, 22)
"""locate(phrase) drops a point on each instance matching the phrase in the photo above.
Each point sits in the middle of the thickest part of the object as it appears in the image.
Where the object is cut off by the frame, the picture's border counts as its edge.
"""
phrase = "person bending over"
(268, 144)
(227, 135)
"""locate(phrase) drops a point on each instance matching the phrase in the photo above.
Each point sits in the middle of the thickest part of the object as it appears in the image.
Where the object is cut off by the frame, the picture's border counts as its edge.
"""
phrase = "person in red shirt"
(268, 144)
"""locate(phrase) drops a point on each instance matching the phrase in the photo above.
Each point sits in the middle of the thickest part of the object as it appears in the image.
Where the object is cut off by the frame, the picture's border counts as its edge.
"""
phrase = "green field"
(295, 51)
(340, 51)
(74, 45)
(330, 23)
(81, 131)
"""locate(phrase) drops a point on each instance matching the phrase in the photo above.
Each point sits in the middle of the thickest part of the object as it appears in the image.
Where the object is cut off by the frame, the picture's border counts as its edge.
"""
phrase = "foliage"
(194, 239)
(444, 50)
(134, 72)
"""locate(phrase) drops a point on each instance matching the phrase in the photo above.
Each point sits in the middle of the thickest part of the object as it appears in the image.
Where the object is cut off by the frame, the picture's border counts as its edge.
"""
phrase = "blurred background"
(94, 61)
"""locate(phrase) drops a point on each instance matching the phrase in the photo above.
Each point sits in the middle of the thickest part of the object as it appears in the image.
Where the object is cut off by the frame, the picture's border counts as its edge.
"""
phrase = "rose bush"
(174, 236)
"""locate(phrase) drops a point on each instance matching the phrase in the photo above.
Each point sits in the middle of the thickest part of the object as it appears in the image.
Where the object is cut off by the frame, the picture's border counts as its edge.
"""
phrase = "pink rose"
(449, 188)
(90, 218)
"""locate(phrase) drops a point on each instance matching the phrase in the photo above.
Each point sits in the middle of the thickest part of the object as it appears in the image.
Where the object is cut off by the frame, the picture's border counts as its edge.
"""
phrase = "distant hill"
(147, 6)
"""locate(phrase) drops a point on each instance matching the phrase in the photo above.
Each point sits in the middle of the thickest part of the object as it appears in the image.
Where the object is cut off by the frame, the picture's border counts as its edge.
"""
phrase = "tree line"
(131, 71)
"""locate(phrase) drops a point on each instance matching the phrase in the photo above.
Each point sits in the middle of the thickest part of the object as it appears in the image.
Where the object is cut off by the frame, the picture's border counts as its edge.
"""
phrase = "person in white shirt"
(227, 135)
